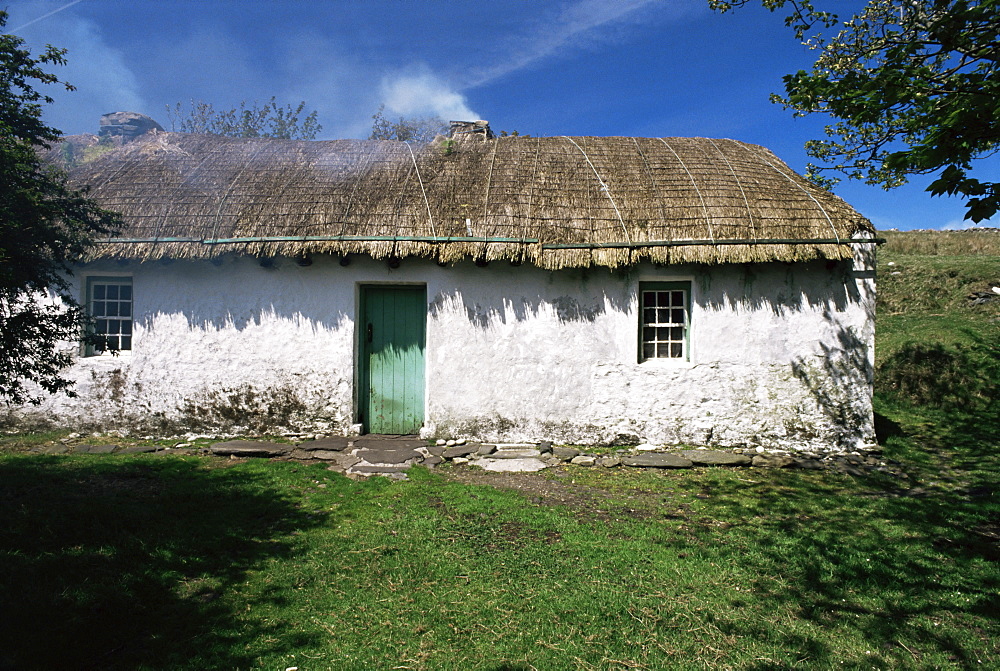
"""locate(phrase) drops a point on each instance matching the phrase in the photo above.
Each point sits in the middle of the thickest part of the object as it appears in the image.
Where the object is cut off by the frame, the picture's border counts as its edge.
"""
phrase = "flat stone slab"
(53, 449)
(95, 449)
(773, 461)
(141, 449)
(379, 442)
(387, 456)
(510, 465)
(328, 455)
(657, 460)
(516, 453)
(716, 458)
(460, 451)
(249, 448)
(343, 460)
(333, 443)
(565, 453)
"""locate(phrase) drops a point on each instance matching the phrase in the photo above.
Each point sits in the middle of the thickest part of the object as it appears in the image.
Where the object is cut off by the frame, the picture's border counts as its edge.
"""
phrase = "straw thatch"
(553, 201)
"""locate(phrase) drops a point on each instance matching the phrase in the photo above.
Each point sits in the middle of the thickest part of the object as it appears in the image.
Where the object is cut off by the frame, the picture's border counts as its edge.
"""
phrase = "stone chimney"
(470, 129)
(127, 125)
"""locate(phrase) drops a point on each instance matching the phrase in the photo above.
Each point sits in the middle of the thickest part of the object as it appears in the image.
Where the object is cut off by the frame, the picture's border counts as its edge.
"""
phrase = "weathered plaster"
(780, 354)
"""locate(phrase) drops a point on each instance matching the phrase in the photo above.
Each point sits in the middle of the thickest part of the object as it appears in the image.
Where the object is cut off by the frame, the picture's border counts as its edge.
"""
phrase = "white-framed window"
(664, 320)
(109, 305)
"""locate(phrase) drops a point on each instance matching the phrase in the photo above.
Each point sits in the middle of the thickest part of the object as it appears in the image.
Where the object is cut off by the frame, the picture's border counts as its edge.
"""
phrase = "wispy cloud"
(574, 25)
(35, 20)
(104, 82)
(426, 93)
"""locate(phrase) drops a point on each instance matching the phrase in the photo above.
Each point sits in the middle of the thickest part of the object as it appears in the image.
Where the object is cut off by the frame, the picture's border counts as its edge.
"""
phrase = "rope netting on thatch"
(554, 201)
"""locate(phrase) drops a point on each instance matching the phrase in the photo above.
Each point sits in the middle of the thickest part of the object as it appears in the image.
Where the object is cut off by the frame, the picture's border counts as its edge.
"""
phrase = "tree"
(913, 85)
(44, 227)
(420, 130)
(269, 120)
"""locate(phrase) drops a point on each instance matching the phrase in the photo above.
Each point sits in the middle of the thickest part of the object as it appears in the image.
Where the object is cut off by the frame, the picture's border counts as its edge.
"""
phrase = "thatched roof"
(552, 201)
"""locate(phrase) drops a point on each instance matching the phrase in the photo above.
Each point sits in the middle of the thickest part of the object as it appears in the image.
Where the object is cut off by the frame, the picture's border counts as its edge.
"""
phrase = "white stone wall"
(780, 354)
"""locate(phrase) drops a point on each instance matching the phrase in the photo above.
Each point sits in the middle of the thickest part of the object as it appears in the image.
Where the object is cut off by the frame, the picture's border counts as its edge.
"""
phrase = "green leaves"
(912, 86)
(44, 227)
(269, 120)
(420, 130)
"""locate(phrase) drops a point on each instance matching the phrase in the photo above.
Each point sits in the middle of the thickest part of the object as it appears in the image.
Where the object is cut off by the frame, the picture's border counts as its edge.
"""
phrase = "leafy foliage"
(269, 120)
(913, 85)
(44, 226)
(419, 130)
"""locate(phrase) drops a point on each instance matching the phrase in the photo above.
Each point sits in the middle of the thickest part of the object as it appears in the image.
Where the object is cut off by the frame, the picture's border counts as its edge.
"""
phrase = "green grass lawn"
(152, 562)
(171, 562)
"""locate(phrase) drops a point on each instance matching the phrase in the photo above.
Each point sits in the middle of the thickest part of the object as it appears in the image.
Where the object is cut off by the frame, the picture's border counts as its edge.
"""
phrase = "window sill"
(124, 354)
(666, 363)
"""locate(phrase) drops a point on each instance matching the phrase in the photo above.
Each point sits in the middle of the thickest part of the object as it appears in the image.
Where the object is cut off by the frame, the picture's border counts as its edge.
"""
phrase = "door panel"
(392, 364)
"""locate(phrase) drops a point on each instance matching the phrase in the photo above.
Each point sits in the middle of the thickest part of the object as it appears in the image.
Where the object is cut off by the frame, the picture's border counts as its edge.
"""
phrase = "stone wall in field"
(780, 354)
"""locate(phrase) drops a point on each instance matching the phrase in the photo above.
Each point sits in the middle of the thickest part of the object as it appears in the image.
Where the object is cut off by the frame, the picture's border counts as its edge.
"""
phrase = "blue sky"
(572, 67)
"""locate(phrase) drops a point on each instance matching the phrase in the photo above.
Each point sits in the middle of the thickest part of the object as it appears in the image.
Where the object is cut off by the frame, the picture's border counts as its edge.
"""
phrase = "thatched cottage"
(576, 289)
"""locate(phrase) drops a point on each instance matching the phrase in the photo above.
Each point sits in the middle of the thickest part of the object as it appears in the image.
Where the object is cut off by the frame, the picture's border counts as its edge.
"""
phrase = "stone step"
(373, 441)
(460, 451)
(387, 456)
(657, 460)
(333, 443)
(716, 458)
(515, 453)
(510, 465)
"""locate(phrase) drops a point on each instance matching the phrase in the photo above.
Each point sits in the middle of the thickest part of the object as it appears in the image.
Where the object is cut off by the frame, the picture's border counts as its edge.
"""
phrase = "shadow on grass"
(916, 578)
(953, 391)
(118, 564)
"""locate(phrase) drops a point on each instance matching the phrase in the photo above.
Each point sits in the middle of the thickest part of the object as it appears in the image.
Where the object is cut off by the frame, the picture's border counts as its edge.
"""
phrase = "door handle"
(369, 332)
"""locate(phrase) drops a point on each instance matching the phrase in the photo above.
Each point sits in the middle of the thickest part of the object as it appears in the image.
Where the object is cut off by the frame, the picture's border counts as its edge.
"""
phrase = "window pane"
(101, 326)
(99, 308)
(125, 292)
(127, 327)
(665, 316)
(125, 309)
(98, 292)
(126, 342)
(112, 309)
(112, 291)
(114, 326)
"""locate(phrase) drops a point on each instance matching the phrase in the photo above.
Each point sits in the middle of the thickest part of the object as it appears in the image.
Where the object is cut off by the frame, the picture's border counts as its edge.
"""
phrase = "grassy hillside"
(938, 354)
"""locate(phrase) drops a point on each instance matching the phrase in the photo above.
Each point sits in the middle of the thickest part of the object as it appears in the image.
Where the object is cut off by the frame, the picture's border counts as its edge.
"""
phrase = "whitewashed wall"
(780, 354)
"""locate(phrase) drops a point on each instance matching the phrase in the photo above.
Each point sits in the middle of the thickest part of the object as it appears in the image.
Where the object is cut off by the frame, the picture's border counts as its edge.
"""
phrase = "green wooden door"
(392, 358)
